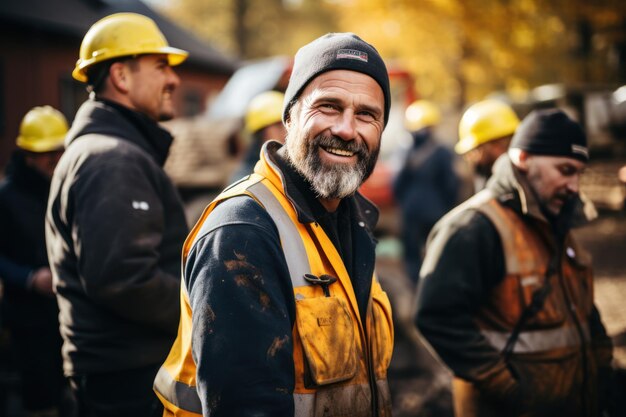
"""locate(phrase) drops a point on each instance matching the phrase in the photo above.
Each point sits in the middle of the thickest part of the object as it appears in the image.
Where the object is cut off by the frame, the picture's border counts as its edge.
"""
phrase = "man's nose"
(344, 126)
(173, 78)
(573, 185)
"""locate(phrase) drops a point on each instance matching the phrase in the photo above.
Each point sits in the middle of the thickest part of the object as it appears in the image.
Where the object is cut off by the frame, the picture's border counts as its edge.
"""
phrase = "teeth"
(339, 152)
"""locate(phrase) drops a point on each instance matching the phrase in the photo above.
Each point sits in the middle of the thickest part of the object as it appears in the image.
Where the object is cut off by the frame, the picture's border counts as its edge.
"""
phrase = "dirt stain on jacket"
(276, 345)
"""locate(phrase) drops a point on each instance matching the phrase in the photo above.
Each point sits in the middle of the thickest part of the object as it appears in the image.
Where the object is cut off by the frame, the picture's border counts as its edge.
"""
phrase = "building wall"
(32, 67)
(196, 89)
(35, 69)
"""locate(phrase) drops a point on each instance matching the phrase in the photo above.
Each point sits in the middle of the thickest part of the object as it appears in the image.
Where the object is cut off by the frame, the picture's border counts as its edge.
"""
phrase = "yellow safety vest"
(344, 357)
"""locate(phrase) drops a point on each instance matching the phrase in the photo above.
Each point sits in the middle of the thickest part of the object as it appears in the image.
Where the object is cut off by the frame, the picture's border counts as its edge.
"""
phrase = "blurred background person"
(426, 186)
(485, 131)
(506, 294)
(28, 304)
(263, 121)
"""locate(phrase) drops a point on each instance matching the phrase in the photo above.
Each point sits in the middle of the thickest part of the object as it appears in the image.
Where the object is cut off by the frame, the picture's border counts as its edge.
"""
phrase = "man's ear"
(523, 160)
(118, 74)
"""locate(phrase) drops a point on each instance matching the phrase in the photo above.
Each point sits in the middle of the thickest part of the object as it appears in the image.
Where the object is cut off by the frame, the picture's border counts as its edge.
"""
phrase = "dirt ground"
(420, 385)
(605, 239)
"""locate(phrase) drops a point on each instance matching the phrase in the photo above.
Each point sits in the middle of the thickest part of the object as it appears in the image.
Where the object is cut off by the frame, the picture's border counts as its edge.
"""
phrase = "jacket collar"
(299, 192)
(103, 117)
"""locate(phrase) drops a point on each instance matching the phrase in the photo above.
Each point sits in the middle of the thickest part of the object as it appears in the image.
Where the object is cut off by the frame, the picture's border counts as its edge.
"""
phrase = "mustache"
(332, 141)
(566, 195)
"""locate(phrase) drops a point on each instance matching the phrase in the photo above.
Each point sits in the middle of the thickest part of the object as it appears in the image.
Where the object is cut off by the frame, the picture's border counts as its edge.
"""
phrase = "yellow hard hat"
(483, 122)
(421, 114)
(42, 129)
(123, 34)
(263, 110)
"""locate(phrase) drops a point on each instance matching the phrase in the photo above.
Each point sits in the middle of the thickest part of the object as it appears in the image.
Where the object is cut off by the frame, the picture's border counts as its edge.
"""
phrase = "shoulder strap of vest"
(519, 242)
(258, 188)
(293, 247)
(504, 224)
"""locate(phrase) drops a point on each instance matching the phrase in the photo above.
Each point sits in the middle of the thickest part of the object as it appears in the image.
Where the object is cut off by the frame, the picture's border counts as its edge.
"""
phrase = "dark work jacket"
(115, 228)
(463, 268)
(235, 372)
(427, 186)
(23, 200)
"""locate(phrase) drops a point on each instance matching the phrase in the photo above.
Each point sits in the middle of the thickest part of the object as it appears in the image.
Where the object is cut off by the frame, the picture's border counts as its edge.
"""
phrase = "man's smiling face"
(334, 132)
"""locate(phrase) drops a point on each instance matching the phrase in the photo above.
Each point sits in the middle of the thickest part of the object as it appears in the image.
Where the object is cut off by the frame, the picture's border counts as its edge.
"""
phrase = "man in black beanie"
(506, 294)
(281, 312)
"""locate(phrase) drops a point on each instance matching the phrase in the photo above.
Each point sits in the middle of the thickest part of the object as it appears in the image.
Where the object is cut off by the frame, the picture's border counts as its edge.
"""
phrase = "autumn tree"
(458, 51)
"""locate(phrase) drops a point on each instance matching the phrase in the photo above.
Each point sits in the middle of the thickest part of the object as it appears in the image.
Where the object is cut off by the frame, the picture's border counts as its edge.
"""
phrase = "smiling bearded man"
(282, 314)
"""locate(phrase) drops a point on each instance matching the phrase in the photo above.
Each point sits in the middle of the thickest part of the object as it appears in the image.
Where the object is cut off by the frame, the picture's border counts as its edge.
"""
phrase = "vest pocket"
(327, 336)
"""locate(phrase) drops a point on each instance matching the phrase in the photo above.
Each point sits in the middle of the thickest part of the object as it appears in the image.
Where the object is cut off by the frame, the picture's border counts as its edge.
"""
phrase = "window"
(192, 103)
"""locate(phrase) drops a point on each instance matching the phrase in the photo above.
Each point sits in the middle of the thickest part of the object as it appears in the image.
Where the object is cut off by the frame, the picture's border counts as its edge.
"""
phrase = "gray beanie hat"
(335, 51)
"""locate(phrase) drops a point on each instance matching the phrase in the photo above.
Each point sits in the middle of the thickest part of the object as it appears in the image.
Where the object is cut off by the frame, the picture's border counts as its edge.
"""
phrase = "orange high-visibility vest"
(553, 352)
(562, 321)
(345, 356)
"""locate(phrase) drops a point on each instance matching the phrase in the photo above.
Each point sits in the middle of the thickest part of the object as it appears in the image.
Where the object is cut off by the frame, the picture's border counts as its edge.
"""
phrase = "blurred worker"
(115, 222)
(427, 186)
(263, 122)
(282, 315)
(506, 297)
(29, 306)
(485, 131)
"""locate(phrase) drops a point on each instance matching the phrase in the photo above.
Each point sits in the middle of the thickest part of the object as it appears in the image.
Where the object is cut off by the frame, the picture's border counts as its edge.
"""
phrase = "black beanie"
(335, 51)
(551, 132)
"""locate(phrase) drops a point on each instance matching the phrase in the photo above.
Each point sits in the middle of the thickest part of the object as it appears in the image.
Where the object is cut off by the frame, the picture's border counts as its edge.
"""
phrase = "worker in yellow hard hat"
(426, 186)
(122, 37)
(42, 133)
(485, 130)
(263, 121)
(29, 307)
(116, 223)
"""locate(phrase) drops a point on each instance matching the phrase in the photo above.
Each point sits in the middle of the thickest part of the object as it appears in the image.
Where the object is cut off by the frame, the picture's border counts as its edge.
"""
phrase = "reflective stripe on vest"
(538, 340)
(348, 398)
(178, 393)
(185, 396)
(291, 242)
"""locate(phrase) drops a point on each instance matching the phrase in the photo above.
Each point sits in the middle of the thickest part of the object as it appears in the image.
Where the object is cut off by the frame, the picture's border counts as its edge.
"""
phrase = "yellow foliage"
(458, 51)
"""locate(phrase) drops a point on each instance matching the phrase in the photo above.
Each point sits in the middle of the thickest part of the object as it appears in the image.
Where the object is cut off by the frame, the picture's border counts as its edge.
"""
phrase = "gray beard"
(334, 181)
